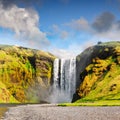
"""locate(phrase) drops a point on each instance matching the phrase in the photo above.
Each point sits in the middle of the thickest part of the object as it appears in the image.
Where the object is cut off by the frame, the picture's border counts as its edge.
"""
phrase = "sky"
(63, 27)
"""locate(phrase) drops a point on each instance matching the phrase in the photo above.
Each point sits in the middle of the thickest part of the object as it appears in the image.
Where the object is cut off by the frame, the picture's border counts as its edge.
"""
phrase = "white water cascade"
(64, 80)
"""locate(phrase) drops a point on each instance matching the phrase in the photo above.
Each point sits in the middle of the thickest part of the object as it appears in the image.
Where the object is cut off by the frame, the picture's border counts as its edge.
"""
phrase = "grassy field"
(93, 103)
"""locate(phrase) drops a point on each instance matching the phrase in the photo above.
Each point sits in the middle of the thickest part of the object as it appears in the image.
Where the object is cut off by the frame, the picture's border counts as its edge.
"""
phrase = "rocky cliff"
(22, 71)
(98, 72)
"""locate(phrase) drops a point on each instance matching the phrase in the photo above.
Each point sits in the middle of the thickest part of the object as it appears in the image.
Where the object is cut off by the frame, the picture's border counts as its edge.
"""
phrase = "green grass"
(93, 103)
(113, 43)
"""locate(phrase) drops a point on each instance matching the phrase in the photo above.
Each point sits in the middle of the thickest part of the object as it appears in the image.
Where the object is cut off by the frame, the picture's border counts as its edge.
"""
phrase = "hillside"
(23, 73)
(98, 73)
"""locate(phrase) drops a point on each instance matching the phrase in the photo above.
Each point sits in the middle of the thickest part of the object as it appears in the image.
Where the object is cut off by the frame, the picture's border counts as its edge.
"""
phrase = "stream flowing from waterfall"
(64, 80)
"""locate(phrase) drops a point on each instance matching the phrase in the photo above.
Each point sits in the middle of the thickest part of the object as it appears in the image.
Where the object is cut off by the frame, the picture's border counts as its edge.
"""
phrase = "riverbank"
(54, 112)
(2, 111)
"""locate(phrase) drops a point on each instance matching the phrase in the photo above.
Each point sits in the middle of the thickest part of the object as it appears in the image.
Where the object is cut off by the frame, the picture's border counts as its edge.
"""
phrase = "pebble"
(53, 112)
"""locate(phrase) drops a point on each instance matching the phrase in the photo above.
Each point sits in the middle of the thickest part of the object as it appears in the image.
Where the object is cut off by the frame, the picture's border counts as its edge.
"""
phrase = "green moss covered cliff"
(98, 73)
(21, 69)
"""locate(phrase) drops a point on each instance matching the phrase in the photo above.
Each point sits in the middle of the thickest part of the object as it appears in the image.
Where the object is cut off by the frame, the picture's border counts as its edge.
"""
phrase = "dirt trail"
(53, 112)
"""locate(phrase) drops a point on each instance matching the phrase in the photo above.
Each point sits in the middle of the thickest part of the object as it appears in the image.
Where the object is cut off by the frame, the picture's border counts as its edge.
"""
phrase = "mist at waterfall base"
(63, 86)
(64, 80)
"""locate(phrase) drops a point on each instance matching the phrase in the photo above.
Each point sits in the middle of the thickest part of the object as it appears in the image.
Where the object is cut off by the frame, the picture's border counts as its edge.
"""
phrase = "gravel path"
(53, 112)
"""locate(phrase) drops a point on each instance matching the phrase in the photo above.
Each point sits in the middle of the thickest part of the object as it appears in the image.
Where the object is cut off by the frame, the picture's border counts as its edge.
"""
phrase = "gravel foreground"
(53, 112)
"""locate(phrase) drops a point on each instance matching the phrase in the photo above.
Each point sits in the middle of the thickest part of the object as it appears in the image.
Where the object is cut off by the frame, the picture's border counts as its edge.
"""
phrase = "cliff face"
(21, 70)
(98, 72)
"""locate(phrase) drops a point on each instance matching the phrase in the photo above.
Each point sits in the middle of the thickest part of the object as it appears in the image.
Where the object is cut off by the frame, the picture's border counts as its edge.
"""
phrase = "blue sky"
(62, 27)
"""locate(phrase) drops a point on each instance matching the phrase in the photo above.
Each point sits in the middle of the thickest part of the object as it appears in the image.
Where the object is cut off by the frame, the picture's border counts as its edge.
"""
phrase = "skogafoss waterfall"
(64, 80)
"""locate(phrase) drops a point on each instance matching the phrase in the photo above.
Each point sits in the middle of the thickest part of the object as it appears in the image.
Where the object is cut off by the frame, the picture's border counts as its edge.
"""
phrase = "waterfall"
(56, 73)
(64, 80)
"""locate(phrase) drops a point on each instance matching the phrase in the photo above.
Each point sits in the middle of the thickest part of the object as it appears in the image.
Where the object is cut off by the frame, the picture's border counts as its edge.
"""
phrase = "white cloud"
(112, 35)
(62, 34)
(105, 27)
(62, 53)
(24, 23)
(72, 51)
(103, 22)
(79, 24)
